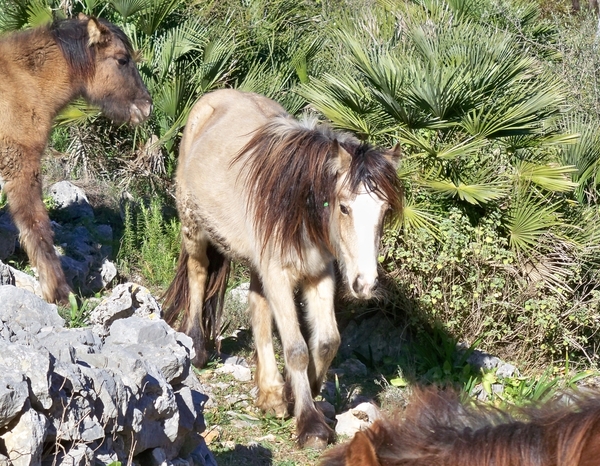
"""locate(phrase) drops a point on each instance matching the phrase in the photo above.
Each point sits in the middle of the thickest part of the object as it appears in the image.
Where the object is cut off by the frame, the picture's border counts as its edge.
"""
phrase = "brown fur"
(41, 71)
(437, 429)
(176, 301)
(288, 198)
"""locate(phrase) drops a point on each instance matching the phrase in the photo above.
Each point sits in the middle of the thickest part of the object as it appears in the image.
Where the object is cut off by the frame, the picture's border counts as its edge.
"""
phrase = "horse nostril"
(357, 285)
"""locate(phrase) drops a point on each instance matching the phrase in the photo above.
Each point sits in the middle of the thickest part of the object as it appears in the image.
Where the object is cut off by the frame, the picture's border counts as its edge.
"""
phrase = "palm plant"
(475, 110)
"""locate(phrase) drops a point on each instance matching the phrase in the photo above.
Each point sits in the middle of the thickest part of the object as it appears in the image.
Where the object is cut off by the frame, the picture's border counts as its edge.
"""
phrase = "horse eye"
(122, 61)
(344, 209)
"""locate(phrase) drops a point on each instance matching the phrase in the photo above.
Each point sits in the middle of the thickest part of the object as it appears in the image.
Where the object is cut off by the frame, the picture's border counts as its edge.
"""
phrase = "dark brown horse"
(289, 198)
(437, 429)
(41, 71)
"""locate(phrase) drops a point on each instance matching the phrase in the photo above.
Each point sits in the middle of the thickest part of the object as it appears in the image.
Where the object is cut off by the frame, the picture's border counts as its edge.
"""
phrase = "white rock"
(241, 373)
(24, 442)
(356, 419)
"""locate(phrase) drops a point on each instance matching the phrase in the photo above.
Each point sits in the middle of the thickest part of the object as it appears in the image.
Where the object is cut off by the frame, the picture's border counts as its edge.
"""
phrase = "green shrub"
(150, 244)
(471, 282)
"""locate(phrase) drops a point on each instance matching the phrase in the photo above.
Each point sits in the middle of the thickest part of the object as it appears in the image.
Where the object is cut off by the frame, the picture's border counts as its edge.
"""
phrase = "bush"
(478, 289)
(150, 245)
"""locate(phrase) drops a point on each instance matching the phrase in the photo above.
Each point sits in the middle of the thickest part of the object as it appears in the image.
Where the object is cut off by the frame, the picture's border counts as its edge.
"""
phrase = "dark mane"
(292, 181)
(72, 38)
(371, 168)
(437, 428)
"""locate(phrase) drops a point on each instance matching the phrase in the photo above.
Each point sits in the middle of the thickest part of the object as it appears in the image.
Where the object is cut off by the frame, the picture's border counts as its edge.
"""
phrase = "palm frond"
(550, 177)
(475, 194)
(417, 216)
(528, 219)
(127, 8)
(77, 113)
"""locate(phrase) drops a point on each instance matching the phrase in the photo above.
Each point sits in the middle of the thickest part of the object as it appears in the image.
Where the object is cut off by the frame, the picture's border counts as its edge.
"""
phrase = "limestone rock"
(25, 440)
(125, 300)
(71, 201)
(356, 419)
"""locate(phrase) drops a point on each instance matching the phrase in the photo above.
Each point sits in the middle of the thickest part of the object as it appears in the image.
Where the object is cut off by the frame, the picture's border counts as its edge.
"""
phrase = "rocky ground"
(121, 389)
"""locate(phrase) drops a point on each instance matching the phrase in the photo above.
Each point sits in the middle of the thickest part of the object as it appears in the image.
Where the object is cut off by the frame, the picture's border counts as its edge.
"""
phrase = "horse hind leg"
(324, 338)
(184, 300)
(269, 381)
(24, 194)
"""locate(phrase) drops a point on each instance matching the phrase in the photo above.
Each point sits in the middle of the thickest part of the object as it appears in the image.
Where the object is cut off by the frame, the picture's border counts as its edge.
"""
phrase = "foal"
(41, 71)
(289, 198)
(437, 429)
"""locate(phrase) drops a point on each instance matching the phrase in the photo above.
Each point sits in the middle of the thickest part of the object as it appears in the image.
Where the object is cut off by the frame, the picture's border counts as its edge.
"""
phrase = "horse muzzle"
(140, 111)
(363, 287)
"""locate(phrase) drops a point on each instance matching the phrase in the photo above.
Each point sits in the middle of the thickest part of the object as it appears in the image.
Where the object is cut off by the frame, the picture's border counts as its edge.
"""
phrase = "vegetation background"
(496, 104)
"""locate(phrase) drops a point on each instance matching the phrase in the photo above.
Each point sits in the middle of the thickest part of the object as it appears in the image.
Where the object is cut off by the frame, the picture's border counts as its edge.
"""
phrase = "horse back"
(210, 188)
(226, 116)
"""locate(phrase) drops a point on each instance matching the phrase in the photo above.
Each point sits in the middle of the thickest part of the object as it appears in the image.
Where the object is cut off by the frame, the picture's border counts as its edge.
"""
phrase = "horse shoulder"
(34, 86)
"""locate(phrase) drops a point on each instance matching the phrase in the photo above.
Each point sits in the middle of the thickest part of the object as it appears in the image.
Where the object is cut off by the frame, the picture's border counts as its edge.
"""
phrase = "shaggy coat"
(41, 71)
(437, 429)
(289, 198)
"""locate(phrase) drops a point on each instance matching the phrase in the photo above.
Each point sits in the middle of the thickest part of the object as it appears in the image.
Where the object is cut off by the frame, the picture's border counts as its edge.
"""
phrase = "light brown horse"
(437, 429)
(41, 71)
(289, 198)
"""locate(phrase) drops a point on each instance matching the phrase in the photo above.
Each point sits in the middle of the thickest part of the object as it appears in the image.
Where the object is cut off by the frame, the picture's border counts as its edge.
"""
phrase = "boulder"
(102, 397)
(70, 201)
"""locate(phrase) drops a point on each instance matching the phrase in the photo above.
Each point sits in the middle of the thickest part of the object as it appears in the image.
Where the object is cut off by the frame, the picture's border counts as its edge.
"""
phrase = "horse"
(438, 429)
(41, 71)
(288, 198)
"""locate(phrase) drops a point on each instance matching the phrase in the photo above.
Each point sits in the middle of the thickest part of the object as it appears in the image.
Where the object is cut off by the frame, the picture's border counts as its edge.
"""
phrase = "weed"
(470, 282)
(150, 244)
(77, 313)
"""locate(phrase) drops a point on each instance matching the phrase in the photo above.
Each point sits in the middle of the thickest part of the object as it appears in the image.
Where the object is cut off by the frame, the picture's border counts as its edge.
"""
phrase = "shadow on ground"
(252, 455)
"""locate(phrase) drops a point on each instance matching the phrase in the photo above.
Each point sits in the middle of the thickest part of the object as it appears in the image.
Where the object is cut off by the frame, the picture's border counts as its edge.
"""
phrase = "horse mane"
(437, 428)
(71, 37)
(292, 179)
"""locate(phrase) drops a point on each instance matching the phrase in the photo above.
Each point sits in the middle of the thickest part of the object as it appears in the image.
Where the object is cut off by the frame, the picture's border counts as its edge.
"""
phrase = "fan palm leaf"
(548, 177)
(528, 219)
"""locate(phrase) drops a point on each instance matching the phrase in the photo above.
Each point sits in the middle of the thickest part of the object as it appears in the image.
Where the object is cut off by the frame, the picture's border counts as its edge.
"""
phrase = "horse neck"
(41, 70)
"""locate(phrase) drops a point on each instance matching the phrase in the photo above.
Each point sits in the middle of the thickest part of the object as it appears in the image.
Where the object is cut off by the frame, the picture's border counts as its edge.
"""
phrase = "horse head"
(115, 84)
(367, 188)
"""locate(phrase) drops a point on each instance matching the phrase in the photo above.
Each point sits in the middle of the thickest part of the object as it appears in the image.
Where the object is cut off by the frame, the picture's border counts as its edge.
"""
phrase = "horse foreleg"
(197, 268)
(24, 195)
(324, 339)
(312, 430)
(268, 379)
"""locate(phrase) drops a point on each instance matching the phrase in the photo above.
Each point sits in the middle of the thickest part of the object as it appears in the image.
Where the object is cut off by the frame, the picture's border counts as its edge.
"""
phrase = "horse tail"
(219, 267)
(177, 297)
(176, 301)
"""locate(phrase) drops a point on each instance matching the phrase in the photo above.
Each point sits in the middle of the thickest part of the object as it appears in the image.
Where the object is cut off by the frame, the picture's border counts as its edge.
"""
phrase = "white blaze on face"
(366, 215)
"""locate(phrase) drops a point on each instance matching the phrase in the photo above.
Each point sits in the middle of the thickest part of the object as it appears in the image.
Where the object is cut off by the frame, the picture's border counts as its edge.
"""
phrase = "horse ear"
(97, 32)
(342, 159)
(394, 155)
(360, 451)
(82, 17)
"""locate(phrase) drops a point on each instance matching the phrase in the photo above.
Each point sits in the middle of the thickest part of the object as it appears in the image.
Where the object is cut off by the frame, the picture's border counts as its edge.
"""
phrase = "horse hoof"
(271, 401)
(314, 443)
(316, 436)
